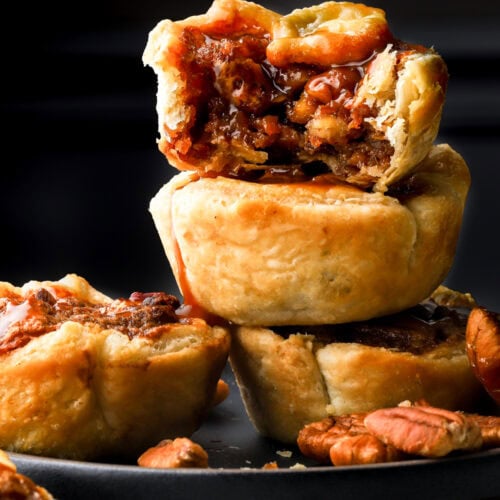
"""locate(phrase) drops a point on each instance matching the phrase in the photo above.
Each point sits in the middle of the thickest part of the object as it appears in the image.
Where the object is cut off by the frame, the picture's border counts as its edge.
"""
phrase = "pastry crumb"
(284, 453)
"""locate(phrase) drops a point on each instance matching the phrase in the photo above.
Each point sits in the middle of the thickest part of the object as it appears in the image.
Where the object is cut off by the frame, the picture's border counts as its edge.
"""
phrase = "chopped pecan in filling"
(255, 121)
(23, 318)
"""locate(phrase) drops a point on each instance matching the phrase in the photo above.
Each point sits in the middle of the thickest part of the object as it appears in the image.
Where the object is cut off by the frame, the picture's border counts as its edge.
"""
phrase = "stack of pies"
(313, 212)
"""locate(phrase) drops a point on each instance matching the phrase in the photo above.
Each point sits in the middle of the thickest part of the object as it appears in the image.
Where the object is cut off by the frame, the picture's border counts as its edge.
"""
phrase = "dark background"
(80, 162)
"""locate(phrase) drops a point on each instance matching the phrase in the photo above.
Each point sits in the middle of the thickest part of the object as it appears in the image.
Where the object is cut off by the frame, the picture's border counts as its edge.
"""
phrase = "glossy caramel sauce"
(248, 115)
(243, 105)
(43, 311)
(190, 307)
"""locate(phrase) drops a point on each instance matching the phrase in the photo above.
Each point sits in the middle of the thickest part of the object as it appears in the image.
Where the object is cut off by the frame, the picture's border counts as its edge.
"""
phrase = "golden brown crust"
(280, 382)
(409, 96)
(280, 254)
(399, 99)
(328, 33)
(288, 383)
(85, 392)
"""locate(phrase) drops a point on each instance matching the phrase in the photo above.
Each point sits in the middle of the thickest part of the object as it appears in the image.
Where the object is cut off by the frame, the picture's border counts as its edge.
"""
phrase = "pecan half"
(316, 439)
(179, 453)
(424, 430)
(362, 449)
(483, 349)
(344, 440)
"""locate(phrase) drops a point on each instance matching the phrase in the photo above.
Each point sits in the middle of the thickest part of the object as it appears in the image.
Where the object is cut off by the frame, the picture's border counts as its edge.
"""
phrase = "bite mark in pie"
(248, 93)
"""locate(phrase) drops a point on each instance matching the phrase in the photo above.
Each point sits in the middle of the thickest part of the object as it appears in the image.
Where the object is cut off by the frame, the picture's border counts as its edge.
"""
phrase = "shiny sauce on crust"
(43, 311)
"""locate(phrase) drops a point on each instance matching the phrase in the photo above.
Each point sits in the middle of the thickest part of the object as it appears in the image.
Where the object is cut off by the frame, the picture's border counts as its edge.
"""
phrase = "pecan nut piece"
(221, 392)
(424, 430)
(362, 449)
(15, 485)
(490, 429)
(316, 439)
(174, 454)
(344, 440)
(483, 349)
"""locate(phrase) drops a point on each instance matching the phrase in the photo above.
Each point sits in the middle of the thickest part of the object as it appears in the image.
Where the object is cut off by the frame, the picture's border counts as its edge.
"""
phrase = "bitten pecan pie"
(248, 93)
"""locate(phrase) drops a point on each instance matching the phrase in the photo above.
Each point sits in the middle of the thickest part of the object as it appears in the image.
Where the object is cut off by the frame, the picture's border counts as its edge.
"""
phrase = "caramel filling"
(190, 307)
(257, 122)
(24, 318)
(418, 330)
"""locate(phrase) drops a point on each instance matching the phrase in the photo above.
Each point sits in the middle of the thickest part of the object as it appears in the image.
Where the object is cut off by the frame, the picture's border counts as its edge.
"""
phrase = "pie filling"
(24, 318)
(418, 330)
(254, 121)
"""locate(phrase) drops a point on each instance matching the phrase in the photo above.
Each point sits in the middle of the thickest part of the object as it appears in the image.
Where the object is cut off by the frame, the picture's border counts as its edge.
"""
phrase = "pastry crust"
(409, 98)
(288, 254)
(396, 106)
(86, 391)
(288, 382)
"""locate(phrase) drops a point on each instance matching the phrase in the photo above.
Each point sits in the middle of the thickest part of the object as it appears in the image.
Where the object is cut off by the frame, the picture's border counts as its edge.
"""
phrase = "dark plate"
(237, 454)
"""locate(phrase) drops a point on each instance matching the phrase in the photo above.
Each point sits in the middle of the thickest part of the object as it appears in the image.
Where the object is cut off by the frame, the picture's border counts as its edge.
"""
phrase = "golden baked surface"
(84, 376)
(278, 254)
(246, 92)
(291, 376)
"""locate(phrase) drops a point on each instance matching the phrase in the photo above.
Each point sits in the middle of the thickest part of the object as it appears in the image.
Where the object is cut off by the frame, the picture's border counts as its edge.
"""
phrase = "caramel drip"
(14, 313)
(190, 308)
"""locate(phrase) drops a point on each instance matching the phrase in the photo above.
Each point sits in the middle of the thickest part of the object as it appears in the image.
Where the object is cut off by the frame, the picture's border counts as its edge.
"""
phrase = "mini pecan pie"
(309, 253)
(84, 376)
(292, 375)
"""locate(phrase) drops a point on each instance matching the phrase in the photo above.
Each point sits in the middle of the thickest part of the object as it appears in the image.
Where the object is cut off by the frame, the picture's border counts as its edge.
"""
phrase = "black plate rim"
(27, 460)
